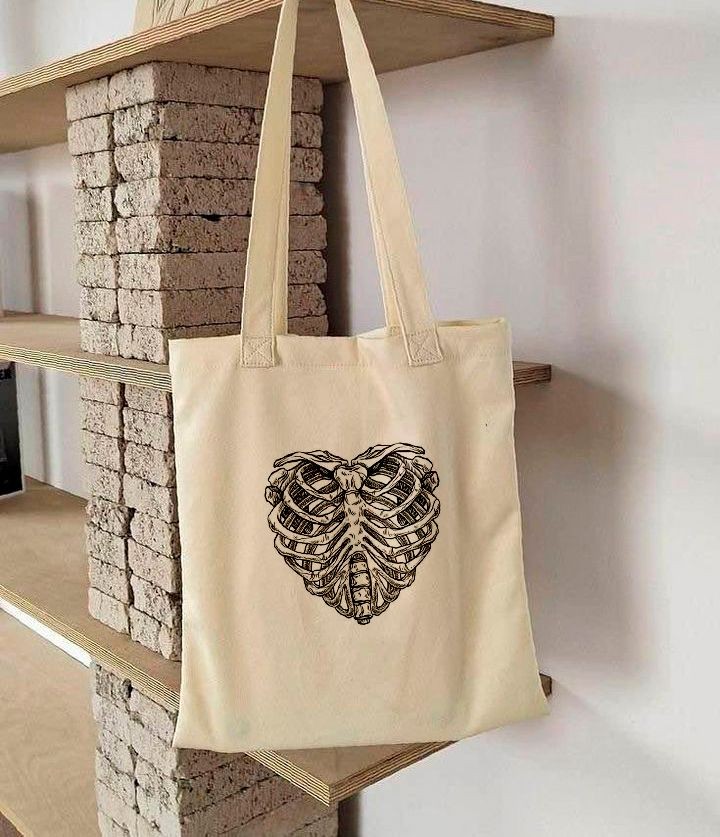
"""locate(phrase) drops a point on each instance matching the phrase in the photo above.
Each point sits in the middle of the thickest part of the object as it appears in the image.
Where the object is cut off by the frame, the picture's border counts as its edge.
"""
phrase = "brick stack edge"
(163, 160)
(146, 787)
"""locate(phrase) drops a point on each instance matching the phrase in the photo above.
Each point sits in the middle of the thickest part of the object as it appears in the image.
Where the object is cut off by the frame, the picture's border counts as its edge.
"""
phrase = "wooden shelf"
(54, 343)
(47, 757)
(43, 573)
(240, 33)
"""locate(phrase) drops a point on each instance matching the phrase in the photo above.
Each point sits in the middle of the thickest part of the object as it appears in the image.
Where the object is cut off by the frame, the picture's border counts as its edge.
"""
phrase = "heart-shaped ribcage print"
(355, 531)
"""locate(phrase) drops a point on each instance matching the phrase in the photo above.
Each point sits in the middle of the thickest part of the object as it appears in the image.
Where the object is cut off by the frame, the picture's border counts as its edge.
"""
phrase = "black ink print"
(355, 531)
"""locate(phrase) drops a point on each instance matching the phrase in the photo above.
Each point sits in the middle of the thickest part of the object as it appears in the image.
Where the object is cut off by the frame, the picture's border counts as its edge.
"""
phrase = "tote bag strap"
(265, 292)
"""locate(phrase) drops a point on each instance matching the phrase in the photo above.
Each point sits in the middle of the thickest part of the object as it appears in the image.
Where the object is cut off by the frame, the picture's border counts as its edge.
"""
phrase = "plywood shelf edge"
(43, 574)
(240, 34)
(53, 342)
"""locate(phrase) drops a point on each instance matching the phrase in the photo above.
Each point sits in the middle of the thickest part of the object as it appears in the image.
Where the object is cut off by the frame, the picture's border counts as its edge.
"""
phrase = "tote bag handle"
(265, 292)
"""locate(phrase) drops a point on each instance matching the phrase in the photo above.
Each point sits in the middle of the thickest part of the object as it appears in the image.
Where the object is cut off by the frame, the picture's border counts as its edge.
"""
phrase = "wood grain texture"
(54, 343)
(47, 755)
(43, 573)
(240, 33)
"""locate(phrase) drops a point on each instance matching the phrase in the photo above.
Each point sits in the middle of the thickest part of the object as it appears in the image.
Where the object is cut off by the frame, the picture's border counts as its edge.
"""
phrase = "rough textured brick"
(162, 571)
(156, 602)
(154, 717)
(108, 685)
(108, 827)
(95, 238)
(157, 535)
(104, 483)
(306, 267)
(157, 815)
(201, 791)
(94, 204)
(192, 271)
(97, 389)
(175, 82)
(149, 343)
(305, 301)
(184, 196)
(305, 199)
(178, 234)
(99, 304)
(149, 400)
(110, 518)
(122, 784)
(90, 171)
(202, 196)
(148, 429)
(101, 418)
(155, 500)
(117, 752)
(169, 309)
(309, 326)
(108, 611)
(154, 635)
(87, 99)
(105, 546)
(301, 817)
(205, 123)
(99, 338)
(308, 232)
(166, 791)
(109, 803)
(150, 464)
(94, 133)
(110, 580)
(223, 782)
(206, 159)
(154, 749)
(96, 271)
(239, 809)
(112, 717)
(102, 450)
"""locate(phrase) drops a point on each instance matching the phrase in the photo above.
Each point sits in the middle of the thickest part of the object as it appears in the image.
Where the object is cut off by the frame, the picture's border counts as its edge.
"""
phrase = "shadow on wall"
(550, 183)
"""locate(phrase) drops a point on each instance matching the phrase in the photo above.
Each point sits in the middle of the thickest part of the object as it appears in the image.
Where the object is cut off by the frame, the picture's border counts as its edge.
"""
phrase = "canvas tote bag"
(349, 517)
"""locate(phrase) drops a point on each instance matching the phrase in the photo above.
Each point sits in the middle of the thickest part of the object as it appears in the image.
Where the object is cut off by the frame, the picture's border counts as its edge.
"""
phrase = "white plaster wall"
(36, 220)
(573, 186)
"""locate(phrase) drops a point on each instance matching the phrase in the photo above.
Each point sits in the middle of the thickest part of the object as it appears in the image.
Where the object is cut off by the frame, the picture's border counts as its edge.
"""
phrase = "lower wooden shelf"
(53, 342)
(43, 573)
(47, 735)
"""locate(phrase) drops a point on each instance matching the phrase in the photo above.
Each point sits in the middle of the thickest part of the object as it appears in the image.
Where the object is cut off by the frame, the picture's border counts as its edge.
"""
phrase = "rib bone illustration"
(355, 531)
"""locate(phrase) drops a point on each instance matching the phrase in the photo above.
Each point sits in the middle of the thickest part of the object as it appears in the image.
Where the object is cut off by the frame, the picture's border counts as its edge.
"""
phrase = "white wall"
(572, 185)
(36, 220)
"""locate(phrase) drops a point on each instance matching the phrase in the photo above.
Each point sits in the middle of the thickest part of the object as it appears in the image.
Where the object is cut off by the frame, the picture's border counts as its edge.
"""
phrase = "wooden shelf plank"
(54, 343)
(240, 33)
(47, 757)
(43, 573)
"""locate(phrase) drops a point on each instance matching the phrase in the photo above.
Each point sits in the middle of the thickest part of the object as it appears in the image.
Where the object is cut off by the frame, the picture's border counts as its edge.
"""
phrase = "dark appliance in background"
(11, 475)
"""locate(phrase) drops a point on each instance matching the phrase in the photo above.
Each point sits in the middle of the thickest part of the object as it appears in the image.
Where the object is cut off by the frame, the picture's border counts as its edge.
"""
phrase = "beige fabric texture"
(329, 602)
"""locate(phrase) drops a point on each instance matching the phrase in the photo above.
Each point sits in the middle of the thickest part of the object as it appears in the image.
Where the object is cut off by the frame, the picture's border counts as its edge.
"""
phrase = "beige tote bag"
(349, 517)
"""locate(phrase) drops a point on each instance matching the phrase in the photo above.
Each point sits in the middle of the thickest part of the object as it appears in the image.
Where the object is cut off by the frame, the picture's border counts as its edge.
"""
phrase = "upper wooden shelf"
(54, 343)
(240, 33)
(43, 573)
(47, 758)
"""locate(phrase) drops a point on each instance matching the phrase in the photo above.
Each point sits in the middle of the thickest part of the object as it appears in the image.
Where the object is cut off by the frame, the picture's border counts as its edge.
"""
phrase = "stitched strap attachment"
(265, 293)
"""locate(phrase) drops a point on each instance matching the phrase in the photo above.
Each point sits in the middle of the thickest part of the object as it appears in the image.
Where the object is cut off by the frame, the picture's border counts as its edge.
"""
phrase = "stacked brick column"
(163, 158)
(145, 787)
(132, 535)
